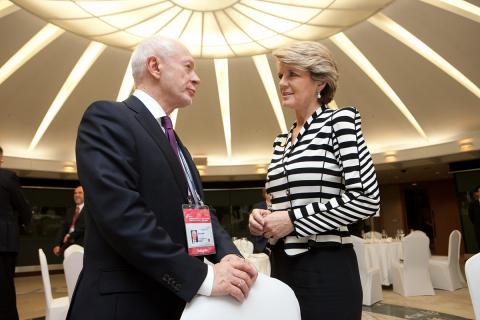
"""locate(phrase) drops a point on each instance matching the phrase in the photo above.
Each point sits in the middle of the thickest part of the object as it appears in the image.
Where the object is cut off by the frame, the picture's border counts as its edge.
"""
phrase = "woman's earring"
(319, 95)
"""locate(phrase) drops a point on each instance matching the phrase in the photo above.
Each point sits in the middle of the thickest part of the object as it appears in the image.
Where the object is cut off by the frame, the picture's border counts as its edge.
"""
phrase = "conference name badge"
(199, 232)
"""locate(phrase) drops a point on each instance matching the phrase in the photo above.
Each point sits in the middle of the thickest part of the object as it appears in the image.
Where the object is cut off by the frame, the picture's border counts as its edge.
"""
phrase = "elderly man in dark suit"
(138, 177)
(14, 210)
(73, 227)
(474, 213)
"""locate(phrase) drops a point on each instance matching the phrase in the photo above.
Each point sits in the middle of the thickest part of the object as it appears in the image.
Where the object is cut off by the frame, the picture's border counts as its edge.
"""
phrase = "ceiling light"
(401, 34)
(210, 29)
(69, 167)
(359, 58)
(127, 83)
(265, 73)
(390, 157)
(87, 59)
(6, 7)
(463, 8)
(29, 49)
(221, 71)
(466, 145)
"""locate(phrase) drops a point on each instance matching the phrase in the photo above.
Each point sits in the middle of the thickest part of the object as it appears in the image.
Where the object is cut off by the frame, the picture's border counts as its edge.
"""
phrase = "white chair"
(71, 249)
(472, 271)
(56, 309)
(72, 265)
(268, 298)
(445, 270)
(244, 246)
(411, 277)
(369, 276)
(373, 235)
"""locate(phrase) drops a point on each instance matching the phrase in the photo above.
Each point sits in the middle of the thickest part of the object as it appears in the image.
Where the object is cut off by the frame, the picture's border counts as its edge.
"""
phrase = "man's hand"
(56, 250)
(66, 239)
(256, 221)
(277, 225)
(233, 276)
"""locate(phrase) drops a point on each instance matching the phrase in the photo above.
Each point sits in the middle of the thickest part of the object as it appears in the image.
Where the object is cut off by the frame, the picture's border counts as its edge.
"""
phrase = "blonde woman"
(321, 179)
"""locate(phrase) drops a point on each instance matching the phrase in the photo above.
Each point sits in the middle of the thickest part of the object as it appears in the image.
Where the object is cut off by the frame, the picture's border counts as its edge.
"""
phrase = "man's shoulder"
(5, 173)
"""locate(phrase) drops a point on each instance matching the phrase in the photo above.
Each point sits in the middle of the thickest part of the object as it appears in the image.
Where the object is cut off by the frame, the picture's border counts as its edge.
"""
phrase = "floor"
(444, 305)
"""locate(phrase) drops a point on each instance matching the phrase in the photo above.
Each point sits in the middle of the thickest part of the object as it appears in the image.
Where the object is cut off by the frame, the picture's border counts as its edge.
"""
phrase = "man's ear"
(154, 67)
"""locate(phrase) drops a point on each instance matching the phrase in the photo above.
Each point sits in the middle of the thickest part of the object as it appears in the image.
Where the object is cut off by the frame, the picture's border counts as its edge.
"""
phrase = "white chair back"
(268, 298)
(445, 270)
(369, 276)
(244, 246)
(47, 287)
(71, 249)
(416, 251)
(415, 279)
(72, 266)
(56, 309)
(472, 271)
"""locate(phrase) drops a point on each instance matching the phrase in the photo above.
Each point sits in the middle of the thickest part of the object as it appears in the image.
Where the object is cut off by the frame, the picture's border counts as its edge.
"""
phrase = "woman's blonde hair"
(316, 59)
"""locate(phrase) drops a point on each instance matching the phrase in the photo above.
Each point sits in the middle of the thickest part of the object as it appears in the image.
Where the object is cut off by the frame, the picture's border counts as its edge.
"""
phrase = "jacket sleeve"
(108, 170)
(361, 198)
(19, 202)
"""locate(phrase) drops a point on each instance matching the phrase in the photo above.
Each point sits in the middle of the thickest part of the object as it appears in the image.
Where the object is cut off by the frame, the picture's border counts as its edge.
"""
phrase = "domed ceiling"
(410, 66)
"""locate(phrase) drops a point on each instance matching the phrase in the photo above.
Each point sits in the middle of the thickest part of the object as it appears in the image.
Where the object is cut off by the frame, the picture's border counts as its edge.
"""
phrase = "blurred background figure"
(14, 211)
(474, 213)
(73, 228)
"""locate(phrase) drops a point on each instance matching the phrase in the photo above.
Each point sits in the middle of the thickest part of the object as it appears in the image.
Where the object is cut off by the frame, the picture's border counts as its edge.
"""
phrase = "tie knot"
(167, 122)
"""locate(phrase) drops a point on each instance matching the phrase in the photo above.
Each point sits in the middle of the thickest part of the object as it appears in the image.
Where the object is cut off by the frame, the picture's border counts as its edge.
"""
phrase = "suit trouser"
(8, 300)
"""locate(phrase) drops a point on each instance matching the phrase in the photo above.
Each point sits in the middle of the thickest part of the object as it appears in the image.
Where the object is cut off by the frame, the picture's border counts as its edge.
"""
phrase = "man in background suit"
(12, 202)
(136, 176)
(474, 213)
(73, 227)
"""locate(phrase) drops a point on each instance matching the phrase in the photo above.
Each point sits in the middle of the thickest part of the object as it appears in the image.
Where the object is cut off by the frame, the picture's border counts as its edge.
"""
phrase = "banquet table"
(383, 254)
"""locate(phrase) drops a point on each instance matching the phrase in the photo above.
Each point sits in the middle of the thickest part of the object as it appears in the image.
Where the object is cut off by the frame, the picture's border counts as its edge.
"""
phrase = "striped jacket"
(326, 180)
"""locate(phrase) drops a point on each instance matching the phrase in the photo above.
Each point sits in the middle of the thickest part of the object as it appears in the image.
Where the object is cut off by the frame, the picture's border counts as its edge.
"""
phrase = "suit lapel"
(151, 125)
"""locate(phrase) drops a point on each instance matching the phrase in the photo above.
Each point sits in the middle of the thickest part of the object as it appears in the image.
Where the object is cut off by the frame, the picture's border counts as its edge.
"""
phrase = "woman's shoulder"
(280, 138)
(349, 111)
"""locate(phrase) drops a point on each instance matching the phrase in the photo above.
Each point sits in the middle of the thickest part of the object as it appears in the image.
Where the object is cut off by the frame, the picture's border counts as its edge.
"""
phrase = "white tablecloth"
(383, 254)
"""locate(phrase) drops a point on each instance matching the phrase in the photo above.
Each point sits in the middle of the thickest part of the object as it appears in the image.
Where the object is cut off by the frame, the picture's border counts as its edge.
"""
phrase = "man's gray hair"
(156, 45)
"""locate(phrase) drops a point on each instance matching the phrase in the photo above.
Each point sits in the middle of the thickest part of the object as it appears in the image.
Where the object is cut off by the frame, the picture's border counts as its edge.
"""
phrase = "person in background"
(14, 211)
(321, 179)
(140, 183)
(474, 213)
(73, 227)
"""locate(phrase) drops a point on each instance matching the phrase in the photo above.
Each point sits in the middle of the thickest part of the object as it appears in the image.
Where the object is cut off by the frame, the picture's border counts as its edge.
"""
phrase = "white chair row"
(417, 273)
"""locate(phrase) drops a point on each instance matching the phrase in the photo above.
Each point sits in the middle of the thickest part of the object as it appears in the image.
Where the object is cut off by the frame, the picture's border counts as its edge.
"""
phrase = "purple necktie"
(167, 125)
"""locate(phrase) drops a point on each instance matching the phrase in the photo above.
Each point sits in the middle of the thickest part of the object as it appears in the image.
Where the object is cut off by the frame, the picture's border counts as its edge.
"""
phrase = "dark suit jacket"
(12, 202)
(76, 237)
(136, 264)
(474, 213)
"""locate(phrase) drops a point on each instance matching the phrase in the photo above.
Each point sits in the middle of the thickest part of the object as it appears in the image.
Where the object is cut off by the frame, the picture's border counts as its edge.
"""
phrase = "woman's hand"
(256, 221)
(277, 225)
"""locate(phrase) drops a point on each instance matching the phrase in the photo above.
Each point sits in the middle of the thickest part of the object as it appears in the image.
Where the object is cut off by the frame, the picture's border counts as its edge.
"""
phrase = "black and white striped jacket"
(326, 180)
